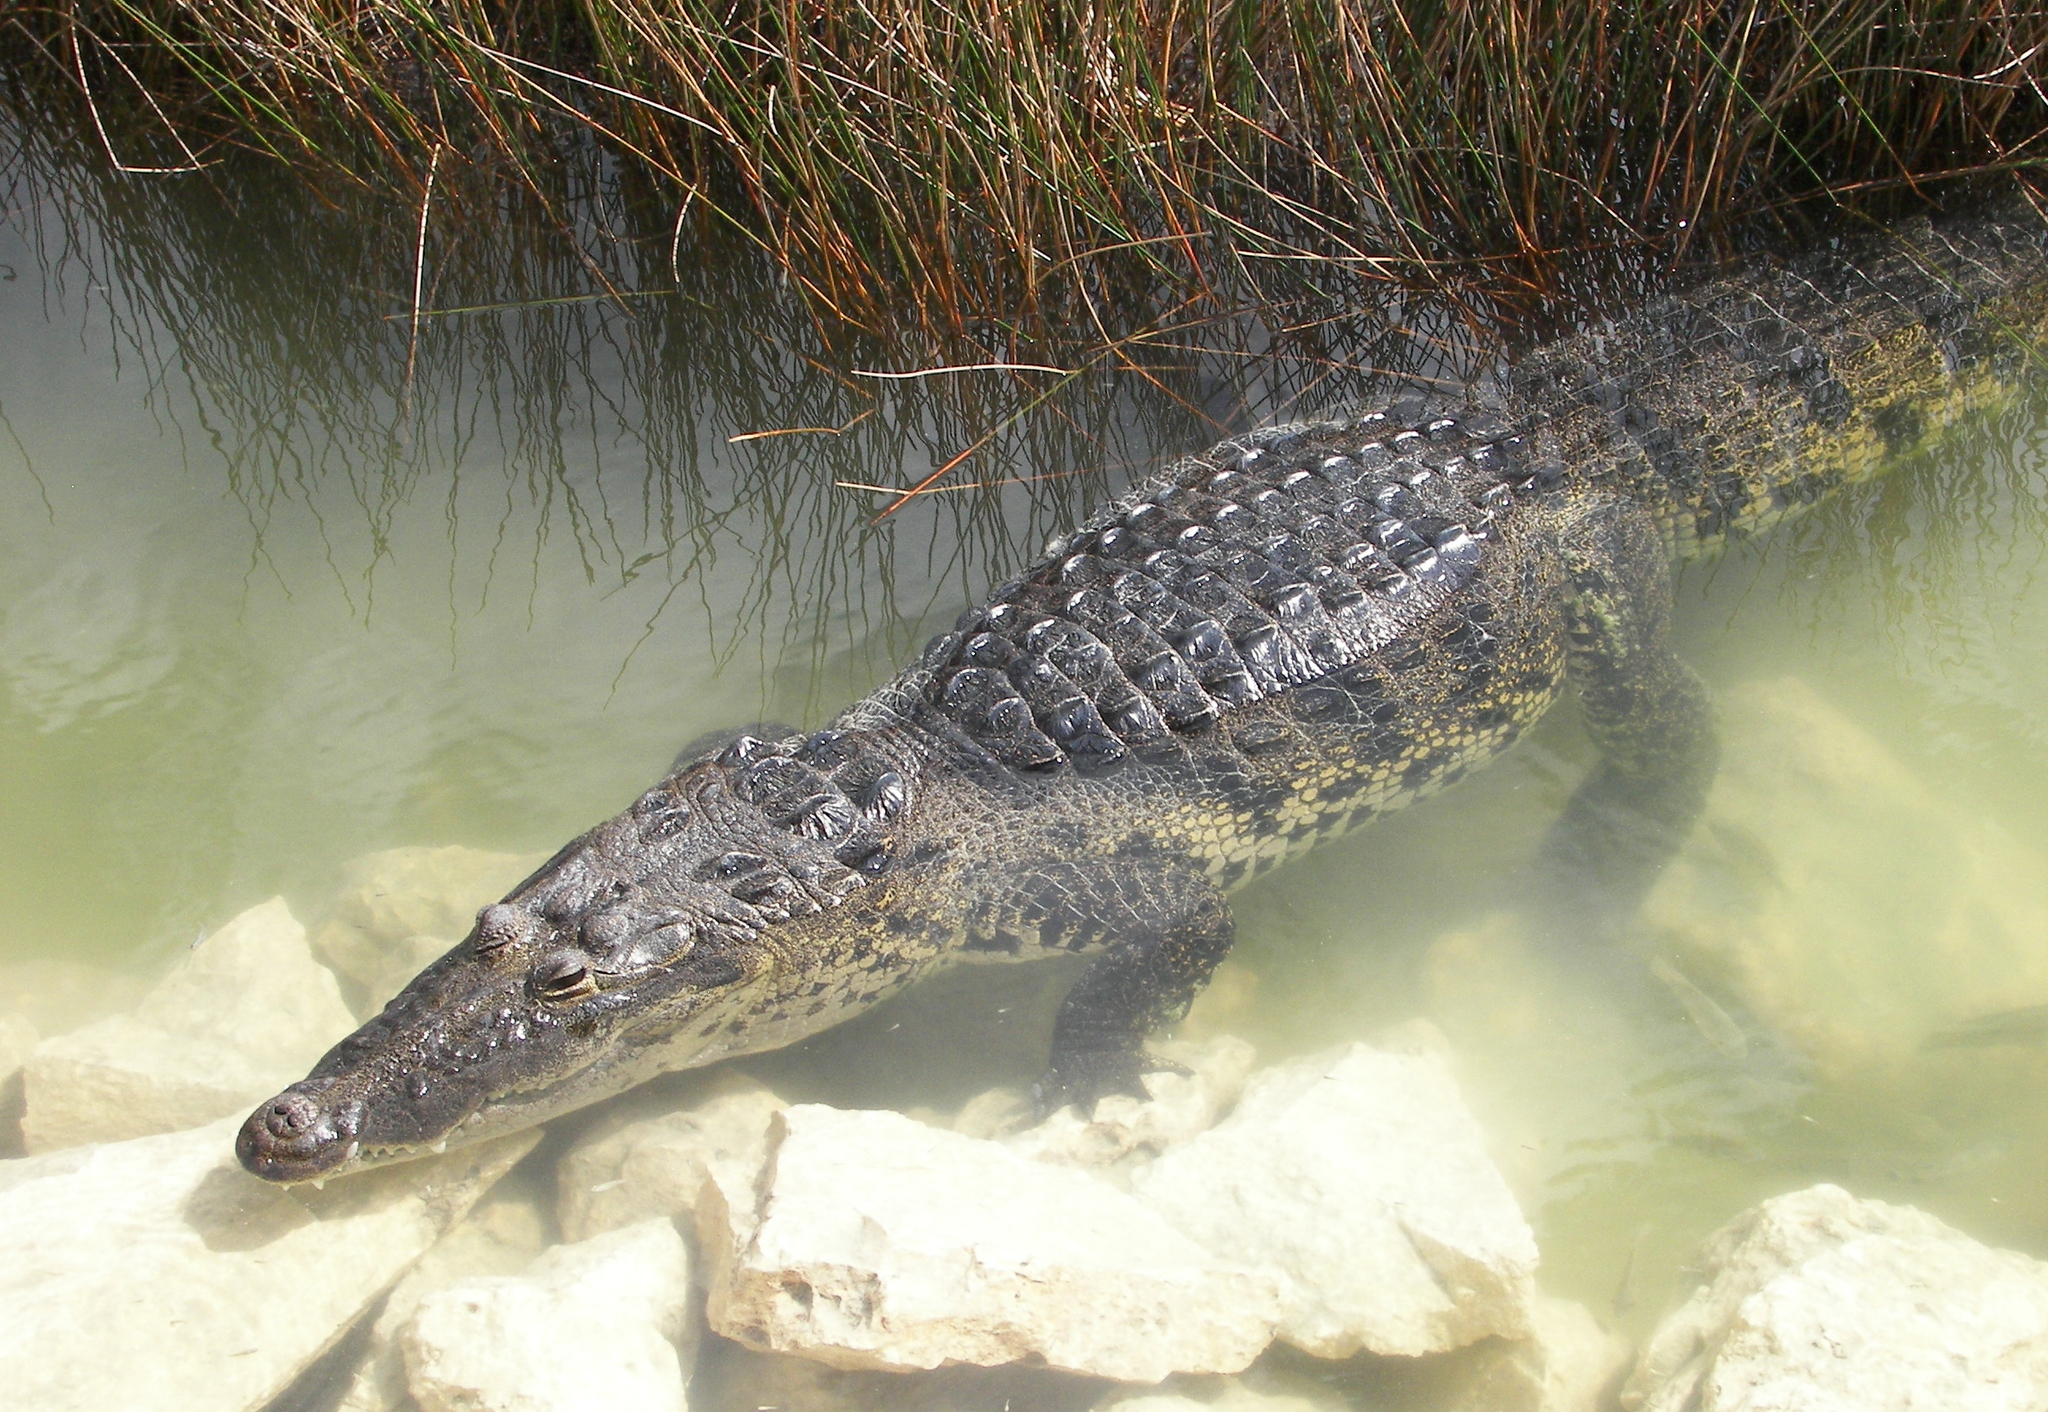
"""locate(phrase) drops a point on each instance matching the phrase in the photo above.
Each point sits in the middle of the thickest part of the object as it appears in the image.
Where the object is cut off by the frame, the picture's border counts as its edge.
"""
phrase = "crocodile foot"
(1084, 1077)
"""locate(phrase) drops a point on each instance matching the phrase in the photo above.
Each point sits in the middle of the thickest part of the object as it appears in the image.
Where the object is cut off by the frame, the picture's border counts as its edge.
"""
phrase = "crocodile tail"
(1742, 401)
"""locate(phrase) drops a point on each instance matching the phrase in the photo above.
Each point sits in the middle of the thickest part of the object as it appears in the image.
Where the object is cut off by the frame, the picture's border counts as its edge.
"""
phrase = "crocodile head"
(657, 941)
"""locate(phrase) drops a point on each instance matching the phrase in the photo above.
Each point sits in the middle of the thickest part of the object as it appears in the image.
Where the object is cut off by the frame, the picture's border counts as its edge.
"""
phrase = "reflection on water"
(282, 583)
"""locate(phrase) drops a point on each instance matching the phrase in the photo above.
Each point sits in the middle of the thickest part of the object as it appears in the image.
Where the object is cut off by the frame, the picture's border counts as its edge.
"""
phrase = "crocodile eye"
(562, 975)
(499, 925)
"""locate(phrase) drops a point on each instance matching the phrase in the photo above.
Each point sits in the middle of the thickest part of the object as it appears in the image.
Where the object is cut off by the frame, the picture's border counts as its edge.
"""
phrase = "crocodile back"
(1285, 634)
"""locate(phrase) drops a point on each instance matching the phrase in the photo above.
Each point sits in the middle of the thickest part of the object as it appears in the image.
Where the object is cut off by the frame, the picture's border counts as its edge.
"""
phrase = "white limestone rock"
(598, 1326)
(1124, 1131)
(1820, 1302)
(1360, 1181)
(246, 1011)
(397, 910)
(874, 1241)
(500, 1236)
(625, 1172)
(157, 1272)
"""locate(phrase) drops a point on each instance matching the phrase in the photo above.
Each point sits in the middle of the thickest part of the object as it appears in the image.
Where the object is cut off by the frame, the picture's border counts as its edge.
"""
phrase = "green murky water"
(285, 579)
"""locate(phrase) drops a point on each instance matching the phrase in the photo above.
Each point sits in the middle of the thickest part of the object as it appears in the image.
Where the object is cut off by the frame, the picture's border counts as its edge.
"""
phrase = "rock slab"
(1125, 1131)
(1820, 1302)
(157, 1273)
(874, 1241)
(598, 1326)
(497, 1237)
(622, 1174)
(245, 1012)
(1359, 1179)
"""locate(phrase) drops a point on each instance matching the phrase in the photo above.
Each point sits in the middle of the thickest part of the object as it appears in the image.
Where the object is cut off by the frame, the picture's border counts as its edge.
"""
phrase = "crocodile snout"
(295, 1137)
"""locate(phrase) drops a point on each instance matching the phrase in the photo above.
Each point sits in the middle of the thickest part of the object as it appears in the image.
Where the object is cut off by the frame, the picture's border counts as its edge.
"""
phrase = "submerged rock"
(157, 1273)
(399, 909)
(1358, 1179)
(498, 1237)
(627, 1171)
(1815, 843)
(1817, 1301)
(598, 1326)
(1228, 1395)
(739, 1378)
(1125, 1131)
(246, 1011)
(17, 1038)
(874, 1241)
(1567, 1364)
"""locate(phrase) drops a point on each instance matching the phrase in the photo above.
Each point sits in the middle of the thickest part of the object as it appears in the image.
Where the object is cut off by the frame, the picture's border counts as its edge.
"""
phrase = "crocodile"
(1287, 635)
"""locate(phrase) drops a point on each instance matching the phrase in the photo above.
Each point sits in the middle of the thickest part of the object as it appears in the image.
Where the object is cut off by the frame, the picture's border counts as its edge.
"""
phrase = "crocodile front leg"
(1166, 927)
(1650, 717)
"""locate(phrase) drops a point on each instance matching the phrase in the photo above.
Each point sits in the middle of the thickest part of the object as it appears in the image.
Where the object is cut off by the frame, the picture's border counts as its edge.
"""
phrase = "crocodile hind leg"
(1167, 929)
(1650, 717)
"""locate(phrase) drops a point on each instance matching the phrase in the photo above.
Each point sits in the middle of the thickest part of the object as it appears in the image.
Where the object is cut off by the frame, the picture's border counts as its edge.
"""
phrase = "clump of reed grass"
(987, 163)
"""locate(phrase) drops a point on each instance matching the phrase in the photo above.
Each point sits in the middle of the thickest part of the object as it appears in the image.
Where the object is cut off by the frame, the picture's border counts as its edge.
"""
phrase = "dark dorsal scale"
(1258, 571)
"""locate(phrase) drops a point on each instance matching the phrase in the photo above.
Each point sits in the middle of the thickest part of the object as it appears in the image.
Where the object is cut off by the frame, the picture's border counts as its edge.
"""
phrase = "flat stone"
(156, 1272)
(397, 910)
(243, 1013)
(875, 1241)
(1815, 841)
(597, 1326)
(624, 1172)
(501, 1235)
(1125, 1131)
(1820, 1302)
(1359, 1180)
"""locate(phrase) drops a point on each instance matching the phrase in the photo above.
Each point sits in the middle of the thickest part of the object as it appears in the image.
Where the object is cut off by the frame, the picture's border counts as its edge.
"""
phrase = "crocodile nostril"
(292, 1115)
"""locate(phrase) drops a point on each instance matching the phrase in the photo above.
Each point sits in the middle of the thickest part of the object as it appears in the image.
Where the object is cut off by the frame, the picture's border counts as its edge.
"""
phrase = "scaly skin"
(1286, 636)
